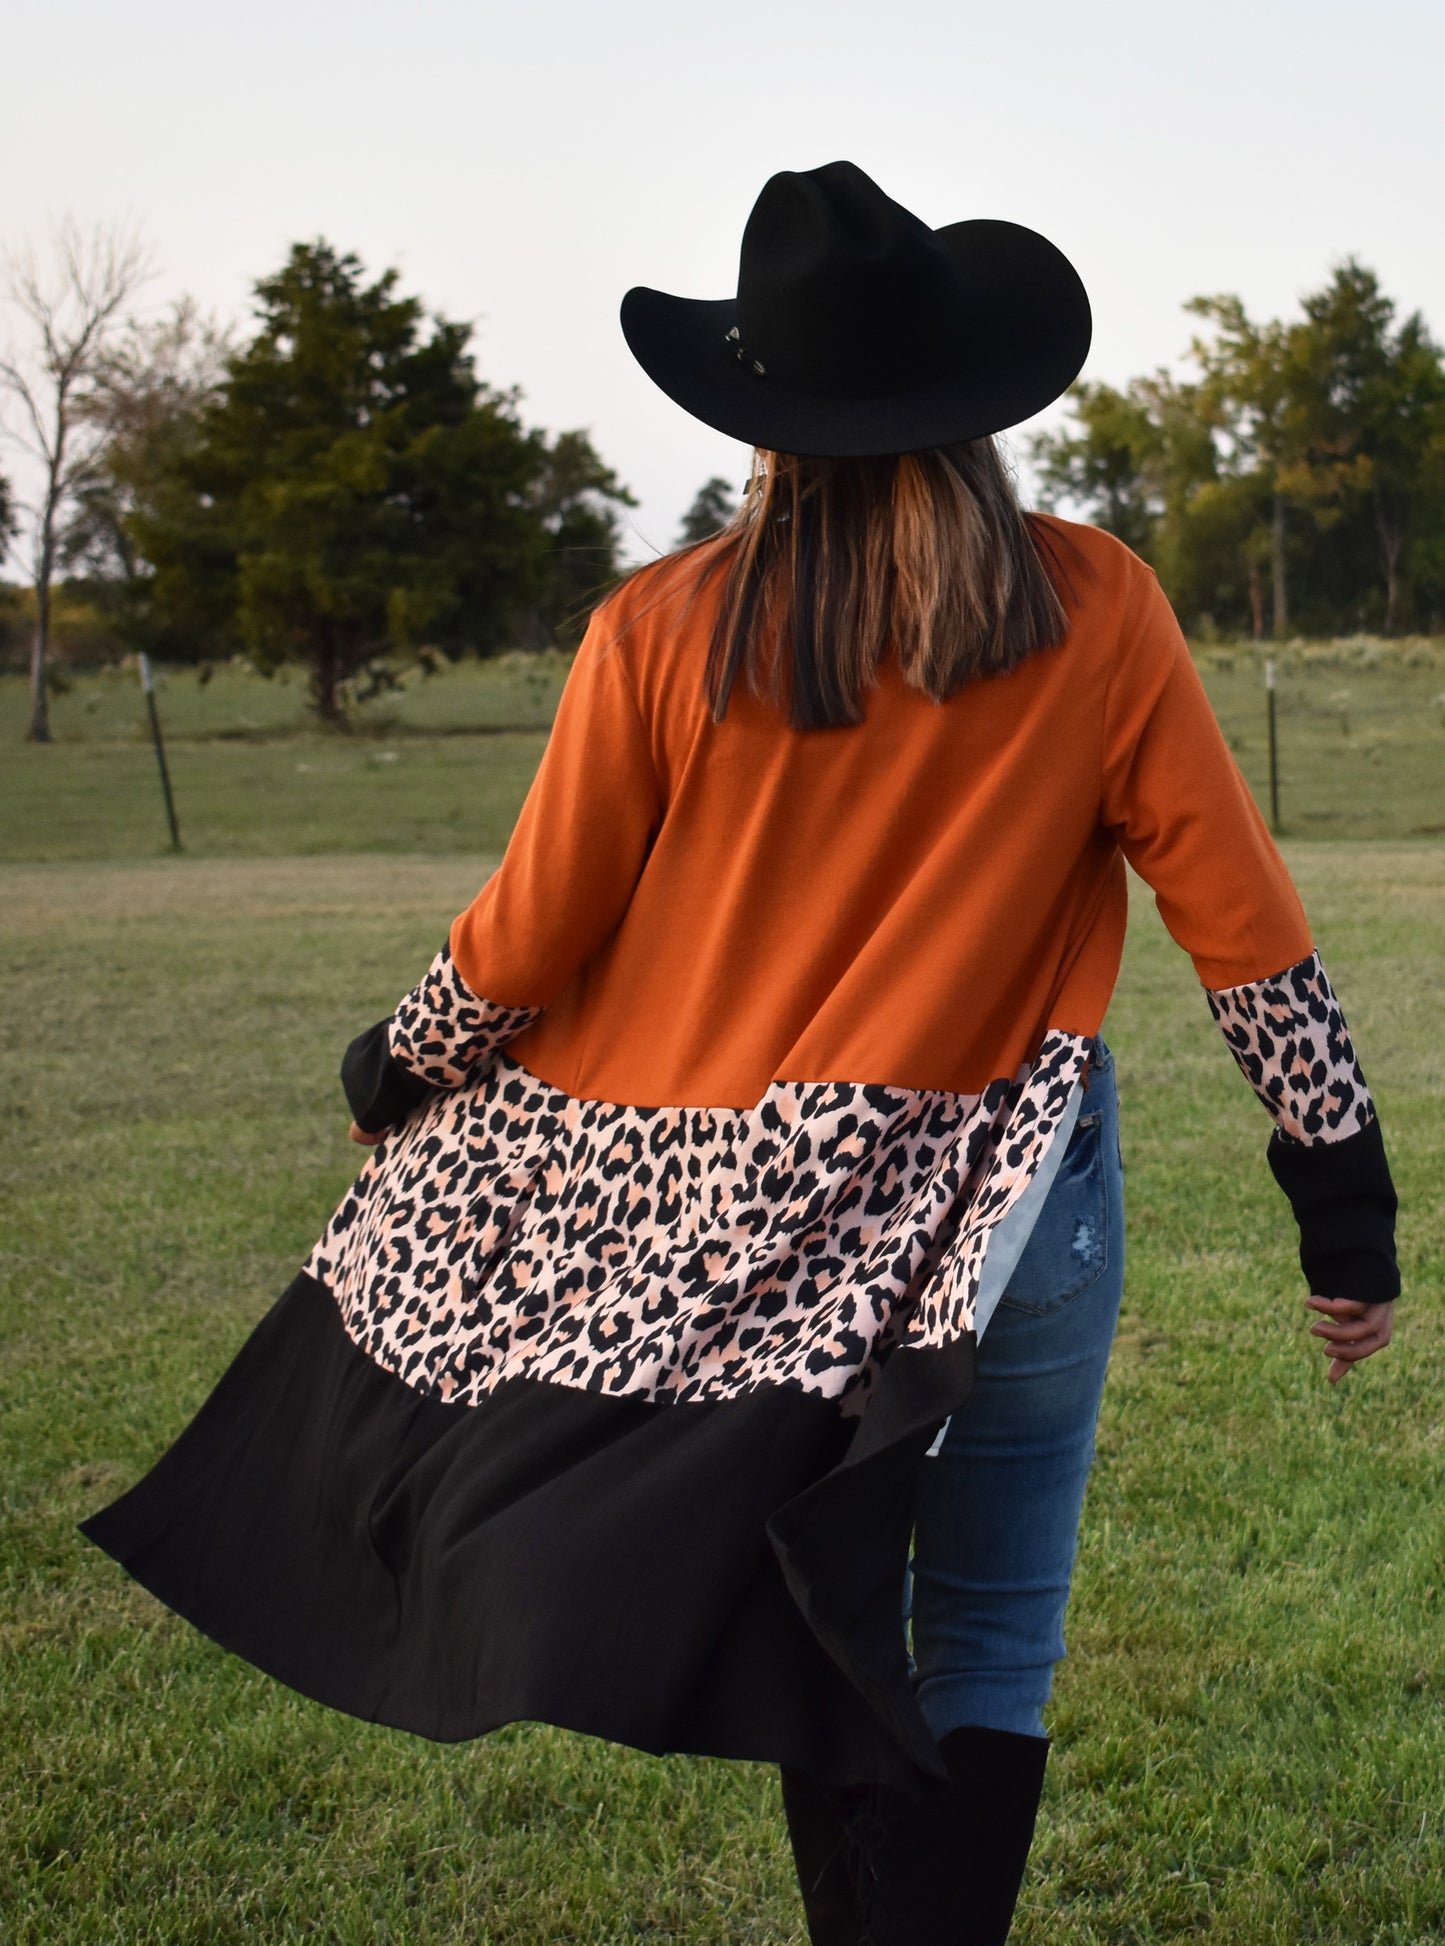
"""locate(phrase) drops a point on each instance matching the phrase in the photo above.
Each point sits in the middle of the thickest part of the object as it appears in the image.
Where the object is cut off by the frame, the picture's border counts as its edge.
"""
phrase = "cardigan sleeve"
(565, 881)
(440, 1031)
(580, 843)
(1185, 819)
(1288, 1035)
(1174, 799)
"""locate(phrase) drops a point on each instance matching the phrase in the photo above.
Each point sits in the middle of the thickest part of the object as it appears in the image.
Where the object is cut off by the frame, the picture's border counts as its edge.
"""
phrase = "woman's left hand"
(1350, 1330)
(367, 1141)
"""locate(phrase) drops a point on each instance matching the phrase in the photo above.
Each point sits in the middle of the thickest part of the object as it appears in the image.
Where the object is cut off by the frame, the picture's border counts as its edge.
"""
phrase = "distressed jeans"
(1000, 1497)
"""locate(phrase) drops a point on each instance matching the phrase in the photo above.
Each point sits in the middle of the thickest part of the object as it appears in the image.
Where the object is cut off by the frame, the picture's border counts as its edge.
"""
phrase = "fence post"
(1269, 691)
(148, 685)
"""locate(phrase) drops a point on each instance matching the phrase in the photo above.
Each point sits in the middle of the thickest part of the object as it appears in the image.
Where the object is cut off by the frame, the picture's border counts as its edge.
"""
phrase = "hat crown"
(841, 291)
(855, 329)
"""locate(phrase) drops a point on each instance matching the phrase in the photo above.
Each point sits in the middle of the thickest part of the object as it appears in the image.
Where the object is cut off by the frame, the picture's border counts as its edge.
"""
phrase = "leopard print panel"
(442, 1029)
(511, 1231)
(1018, 1149)
(1289, 1037)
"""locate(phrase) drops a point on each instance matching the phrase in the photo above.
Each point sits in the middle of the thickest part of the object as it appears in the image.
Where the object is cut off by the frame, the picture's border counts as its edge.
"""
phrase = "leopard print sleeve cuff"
(1289, 1037)
(441, 1030)
(1326, 1153)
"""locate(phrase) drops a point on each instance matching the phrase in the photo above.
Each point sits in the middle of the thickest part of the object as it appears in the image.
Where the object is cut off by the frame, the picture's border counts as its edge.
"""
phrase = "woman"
(759, 1085)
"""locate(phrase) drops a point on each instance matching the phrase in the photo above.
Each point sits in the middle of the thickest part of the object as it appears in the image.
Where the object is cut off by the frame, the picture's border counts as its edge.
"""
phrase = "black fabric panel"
(834, 1573)
(380, 1091)
(553, 1555)
(1344, 1202)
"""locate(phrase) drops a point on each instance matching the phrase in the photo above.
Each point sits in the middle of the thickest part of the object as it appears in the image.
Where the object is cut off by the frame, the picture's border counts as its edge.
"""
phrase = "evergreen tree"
(353, 490)
(713, 508)
(577, 499)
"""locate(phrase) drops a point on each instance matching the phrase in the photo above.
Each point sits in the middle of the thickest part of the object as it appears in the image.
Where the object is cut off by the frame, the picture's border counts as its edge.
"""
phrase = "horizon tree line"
(1292, 480)
(339, 488)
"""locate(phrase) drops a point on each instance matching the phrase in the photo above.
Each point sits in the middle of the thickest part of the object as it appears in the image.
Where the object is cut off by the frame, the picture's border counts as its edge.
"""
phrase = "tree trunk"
(326, 674)
(1392, 588)
(1391, 546)
(1278, 592)
(1256, 600)
(39, 727)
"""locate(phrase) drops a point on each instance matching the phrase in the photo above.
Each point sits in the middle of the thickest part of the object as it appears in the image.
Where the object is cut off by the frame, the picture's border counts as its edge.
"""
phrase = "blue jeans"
(999, 1500)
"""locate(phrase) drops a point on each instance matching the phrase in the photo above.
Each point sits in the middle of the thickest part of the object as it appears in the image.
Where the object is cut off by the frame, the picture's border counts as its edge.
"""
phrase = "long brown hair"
(830, 562)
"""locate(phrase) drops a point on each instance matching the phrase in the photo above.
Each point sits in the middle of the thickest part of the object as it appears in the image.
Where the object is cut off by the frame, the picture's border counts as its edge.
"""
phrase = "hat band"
(734, 343)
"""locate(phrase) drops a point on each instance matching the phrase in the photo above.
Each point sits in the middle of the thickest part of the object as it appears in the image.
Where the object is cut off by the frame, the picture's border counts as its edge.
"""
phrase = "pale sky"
(523, 164)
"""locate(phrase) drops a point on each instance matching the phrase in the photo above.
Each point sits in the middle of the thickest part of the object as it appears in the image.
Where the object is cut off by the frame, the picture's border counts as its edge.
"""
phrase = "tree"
(9, 515)
(1104, 465)
(1338, 416)
(577, 499)
(9, 526)
(1254, 379)
(714, 507)
(1378, 403)
(1142, 464)
(71, 314)
(353, 491)
(150, 391)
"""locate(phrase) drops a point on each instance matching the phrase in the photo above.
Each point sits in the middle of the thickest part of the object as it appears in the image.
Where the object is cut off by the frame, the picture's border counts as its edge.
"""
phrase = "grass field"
(444, 766)
(1250, 1732)
(1361, 733)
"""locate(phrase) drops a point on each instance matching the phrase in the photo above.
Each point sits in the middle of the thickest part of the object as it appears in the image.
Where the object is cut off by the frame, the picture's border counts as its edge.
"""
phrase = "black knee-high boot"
(882, 1867)
(829, 1829)
(947, 1867)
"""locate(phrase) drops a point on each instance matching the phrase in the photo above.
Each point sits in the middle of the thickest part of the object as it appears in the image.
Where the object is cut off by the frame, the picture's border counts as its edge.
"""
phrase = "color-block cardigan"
(599, 1400)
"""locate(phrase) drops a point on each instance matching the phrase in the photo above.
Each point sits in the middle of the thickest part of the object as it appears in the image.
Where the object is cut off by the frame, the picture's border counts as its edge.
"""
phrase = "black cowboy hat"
(856, 329)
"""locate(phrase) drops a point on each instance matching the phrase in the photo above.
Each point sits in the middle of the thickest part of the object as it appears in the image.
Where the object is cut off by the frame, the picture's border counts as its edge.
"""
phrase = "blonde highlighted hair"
(831, 563)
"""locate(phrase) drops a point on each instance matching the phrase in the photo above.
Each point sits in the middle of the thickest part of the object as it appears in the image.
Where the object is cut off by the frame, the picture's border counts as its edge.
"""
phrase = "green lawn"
(1250, 1733)
(1361, 733)
(230, 700)
(443, 767)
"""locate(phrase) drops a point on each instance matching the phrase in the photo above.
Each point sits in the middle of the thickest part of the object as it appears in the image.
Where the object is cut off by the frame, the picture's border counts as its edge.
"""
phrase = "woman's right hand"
(1350, 1330)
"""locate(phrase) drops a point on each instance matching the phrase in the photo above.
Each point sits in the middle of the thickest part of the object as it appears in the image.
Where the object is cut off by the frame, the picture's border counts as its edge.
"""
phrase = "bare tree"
(70, 311)
(148, 390)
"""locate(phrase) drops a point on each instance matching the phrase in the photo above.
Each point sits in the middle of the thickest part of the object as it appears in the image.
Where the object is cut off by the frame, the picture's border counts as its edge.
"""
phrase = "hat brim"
(1030, 341)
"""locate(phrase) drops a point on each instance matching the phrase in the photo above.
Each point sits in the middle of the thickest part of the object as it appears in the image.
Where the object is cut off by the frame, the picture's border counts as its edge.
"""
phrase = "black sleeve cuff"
(1344, 1202)
(381, 1092)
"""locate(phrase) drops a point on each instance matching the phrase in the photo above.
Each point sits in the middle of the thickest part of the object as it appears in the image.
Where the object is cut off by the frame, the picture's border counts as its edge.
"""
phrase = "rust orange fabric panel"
(578, 846)
(705, 908)
(1184, 816)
